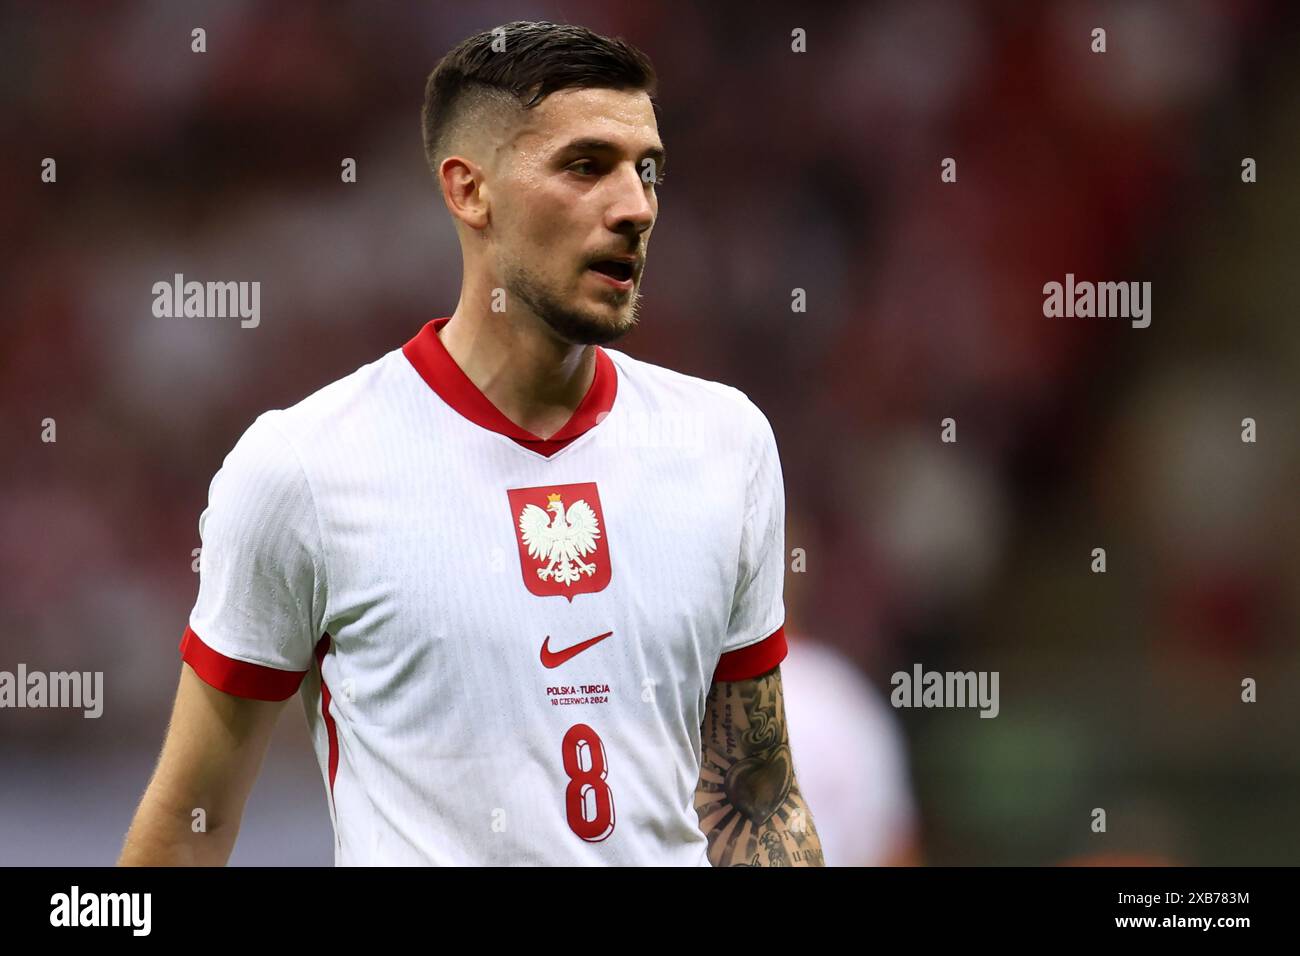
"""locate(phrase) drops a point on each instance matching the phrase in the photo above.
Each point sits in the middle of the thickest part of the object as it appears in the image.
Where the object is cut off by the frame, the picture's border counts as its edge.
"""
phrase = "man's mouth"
(621, 270)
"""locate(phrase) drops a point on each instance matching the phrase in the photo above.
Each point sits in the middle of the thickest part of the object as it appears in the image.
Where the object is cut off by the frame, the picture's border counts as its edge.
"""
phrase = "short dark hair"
(539, 57)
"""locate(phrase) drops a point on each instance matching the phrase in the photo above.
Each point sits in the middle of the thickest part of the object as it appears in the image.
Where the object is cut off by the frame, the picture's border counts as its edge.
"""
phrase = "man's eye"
(588, 165)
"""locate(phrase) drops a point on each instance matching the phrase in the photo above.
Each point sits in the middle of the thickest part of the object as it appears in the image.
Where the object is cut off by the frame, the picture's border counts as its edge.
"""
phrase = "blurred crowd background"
(817, 170)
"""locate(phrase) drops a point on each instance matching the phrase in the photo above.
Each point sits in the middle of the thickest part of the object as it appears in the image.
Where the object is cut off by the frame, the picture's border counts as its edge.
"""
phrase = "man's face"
(574, 194)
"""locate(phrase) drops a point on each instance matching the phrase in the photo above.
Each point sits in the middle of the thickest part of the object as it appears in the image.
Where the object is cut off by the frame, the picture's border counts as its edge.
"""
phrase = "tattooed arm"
(747, 797)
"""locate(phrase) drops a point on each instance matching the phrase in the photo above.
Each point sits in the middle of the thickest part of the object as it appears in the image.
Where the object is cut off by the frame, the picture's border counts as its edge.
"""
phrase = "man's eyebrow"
(595, 145)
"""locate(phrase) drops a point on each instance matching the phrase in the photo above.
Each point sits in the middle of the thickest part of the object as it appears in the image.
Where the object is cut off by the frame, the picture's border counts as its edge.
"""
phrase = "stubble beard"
(570, 324)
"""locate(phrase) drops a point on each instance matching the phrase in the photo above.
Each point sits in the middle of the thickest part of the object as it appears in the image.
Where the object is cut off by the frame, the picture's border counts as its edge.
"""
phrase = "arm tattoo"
(748, 799)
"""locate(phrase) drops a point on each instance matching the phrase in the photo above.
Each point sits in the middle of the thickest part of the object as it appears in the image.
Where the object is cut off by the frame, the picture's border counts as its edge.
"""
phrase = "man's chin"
(583, 328)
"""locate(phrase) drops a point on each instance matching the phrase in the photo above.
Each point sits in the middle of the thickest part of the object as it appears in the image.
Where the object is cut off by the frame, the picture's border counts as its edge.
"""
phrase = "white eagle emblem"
(561, 538)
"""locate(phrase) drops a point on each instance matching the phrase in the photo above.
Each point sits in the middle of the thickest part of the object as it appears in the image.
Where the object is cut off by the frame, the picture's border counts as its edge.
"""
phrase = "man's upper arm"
(747, 798)
(215, 744)
(744, 720)
(214, 747)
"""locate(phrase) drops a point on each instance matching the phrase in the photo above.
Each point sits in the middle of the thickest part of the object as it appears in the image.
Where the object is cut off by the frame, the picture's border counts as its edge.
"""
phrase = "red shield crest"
(563, 543)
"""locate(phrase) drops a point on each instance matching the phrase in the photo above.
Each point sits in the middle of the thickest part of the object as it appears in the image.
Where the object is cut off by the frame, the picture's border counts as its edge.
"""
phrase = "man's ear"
(464, 190)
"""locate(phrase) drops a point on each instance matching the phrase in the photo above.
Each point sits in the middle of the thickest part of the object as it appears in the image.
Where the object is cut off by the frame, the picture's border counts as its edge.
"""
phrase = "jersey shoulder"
(352, 402)
(657, 390)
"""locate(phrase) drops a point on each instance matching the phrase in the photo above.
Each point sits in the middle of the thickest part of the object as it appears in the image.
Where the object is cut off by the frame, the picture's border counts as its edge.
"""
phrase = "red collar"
(436, 366)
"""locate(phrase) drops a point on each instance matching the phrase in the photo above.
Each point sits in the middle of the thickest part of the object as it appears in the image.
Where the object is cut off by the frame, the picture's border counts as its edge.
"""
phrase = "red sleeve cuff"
(256, 681)
(758, 658)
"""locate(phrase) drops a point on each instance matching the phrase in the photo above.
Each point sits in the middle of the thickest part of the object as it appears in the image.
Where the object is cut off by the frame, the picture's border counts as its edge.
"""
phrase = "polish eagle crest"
(560, 538)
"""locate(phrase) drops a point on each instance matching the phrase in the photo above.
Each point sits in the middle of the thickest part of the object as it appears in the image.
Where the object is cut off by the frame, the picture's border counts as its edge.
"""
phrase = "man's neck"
(533, 378)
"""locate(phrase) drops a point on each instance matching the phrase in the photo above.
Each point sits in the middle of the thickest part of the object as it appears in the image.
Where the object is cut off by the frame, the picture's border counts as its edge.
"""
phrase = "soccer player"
(528, 589)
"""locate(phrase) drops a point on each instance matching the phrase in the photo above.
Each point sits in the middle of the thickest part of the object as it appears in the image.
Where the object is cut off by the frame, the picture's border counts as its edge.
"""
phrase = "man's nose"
(632, 208)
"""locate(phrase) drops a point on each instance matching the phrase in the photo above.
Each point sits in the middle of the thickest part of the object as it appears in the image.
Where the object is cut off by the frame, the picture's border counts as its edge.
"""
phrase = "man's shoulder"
(288, 440)
(348, 401)
(662, 390)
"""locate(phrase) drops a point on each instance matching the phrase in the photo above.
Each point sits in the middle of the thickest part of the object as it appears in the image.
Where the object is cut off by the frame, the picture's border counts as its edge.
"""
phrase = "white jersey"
(503, 643)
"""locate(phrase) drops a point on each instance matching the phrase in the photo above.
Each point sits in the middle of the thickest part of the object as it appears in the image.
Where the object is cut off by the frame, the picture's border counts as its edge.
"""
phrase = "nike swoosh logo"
(556, 658)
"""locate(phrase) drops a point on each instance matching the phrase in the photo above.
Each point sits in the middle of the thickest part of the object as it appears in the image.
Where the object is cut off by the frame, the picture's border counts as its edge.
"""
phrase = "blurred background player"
(851, 758)
(850, 749)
